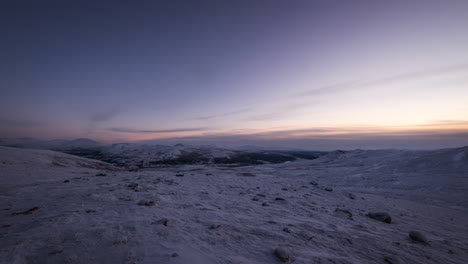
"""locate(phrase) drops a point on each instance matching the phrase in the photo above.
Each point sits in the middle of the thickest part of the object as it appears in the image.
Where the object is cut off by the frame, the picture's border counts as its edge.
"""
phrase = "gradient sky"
(313, 74)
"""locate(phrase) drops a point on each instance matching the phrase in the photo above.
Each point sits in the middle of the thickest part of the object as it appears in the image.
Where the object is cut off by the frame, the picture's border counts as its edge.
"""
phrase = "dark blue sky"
(133, 70)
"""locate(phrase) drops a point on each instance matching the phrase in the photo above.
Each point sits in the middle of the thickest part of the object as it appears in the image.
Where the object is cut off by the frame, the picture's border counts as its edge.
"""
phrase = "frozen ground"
(54, 208)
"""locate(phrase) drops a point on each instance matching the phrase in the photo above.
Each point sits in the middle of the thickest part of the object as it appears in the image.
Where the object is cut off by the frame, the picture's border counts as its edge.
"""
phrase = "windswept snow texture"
(57, 208)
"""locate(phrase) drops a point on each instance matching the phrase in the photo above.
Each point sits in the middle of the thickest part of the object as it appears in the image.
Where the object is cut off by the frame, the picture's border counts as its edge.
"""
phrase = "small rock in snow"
(282, 254)
(101, 174)
(248, 174)
(132, 185)
(328, 189)
(215, 226)
(255, 199)
(56, 250)
(314, 183)
(265, 204)
(29, 211)
(146, 203)
(164, 222)
(133, 169)
(390, 260)
(417, 237)
(287, 230)
(344, 213)
(174, 255)
(65, 181)
(351, 196)
(279, 199)
(179, 175)
(284, 189)
(382, 217)
(90, 211)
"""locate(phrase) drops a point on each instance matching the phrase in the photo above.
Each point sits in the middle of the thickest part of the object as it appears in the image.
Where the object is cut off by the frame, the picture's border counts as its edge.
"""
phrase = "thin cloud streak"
(156, 131)
(243, 110)
(354, 85)
(280, 113)
(454, 130)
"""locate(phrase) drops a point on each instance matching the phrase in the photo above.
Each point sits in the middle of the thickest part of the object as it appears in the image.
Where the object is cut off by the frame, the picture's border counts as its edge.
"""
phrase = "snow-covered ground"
(58, 208)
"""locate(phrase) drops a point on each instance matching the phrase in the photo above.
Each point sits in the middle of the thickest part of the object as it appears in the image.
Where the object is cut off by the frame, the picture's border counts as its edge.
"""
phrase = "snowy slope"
(58, 144)
(19, 166)
(224, 214)
(439, 176)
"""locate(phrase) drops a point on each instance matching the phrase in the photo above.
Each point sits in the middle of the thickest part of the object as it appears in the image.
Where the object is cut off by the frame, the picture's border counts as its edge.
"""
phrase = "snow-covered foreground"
(57, 208)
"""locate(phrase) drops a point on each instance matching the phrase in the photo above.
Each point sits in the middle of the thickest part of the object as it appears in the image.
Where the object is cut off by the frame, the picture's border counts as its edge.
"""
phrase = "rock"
(101, 174)
(328, 189)
(132, 185)
(164, 222)
(255, 199)
(306, 236)
(56, 250)
(66, 181)
(382, 217)
(133, 169)
(6, 225)
(351, 196)
(418, 237)
(287, 230)
(179, 175)
(248, 174)
(29, 211)
(174, 255)
(390, 260)
(265, 204)
(146, 203)
(344, 213)
(279, 199)
(215, 226)
(261, 195)
(90, 211)
(314, 183)
(284, 189)
(282, 254)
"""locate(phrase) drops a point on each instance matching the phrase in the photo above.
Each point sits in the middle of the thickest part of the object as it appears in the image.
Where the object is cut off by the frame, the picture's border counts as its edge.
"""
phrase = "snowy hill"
(26, 165)
(444, 160)
(438, 176)
(58, 144)
(150, 155)
(57, 208)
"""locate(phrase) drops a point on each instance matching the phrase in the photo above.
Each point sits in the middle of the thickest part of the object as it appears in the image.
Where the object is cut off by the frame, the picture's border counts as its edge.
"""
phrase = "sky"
(300, 74)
